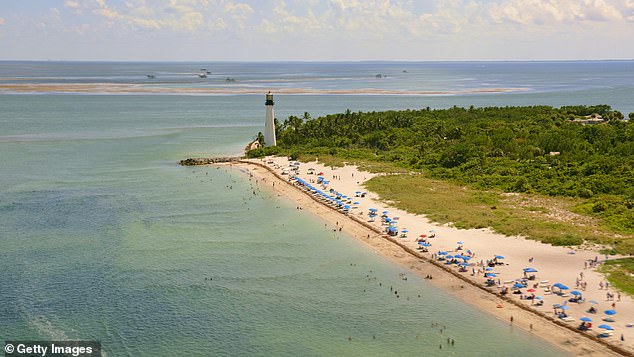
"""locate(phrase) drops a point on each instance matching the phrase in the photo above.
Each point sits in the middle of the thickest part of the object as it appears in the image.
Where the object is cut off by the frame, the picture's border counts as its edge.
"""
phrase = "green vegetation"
(619, 273)
(539, 217)
(535, 151)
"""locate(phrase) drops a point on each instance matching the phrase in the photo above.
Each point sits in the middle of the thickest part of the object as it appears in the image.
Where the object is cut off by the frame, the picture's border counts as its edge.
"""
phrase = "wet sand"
(157, 88)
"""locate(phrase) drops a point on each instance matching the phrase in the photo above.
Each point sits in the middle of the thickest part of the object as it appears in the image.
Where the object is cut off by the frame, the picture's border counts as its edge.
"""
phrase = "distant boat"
(150, 76)
(202, 75)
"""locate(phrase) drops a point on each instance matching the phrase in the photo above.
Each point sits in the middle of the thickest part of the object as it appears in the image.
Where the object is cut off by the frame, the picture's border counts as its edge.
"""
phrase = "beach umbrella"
(458, 256)
(449, 256)
(426, 244)
(610, 312)
(466, 257)
(592, 302)
(460, 243)
(530, 270)
(386, 212)
(489, 269)
(320, 174)
(355, 203)
(560, 286)
(575, 293)
(556, 306)
(586, 319)
(490, 275)
(405, 231)
(499, 257)
(518, 286)
(564, 307)
(531, 290)
(538, 297)
(464, 264)
(606, 327)
(442, 253)
(423, 235)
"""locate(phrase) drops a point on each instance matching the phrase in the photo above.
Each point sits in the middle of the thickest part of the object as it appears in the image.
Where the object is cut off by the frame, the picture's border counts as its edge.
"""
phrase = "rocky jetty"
(207, 160)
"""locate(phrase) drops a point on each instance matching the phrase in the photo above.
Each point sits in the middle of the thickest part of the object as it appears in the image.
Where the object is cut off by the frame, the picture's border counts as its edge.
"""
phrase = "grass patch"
(464, 207)
(619, 273)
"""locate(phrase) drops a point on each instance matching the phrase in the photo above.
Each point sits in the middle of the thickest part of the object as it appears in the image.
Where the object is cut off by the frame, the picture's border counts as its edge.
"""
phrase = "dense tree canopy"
(541, 149)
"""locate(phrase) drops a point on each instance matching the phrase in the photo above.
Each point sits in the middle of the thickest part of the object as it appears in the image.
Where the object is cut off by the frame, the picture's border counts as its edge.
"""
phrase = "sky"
(317, 30)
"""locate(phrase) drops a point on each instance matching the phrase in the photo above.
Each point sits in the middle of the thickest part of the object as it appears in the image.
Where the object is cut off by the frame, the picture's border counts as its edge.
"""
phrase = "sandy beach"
(553, 265)
(158, 88)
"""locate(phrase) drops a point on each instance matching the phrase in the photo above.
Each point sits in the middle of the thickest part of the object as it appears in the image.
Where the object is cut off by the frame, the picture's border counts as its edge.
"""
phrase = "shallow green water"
(104, 236)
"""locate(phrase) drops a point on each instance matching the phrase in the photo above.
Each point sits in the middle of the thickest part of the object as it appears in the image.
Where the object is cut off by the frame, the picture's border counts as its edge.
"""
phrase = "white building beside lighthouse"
(269, 125)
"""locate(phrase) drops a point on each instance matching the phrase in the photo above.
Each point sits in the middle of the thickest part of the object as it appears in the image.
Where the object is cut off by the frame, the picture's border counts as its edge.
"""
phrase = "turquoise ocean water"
(103, 236)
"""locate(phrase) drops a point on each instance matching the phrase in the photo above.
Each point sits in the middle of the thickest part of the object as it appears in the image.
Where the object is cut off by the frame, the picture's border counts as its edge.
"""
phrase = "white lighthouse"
(269, 125)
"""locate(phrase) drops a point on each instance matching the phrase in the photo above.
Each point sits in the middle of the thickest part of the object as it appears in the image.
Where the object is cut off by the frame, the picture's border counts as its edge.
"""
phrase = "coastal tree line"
(532, 149)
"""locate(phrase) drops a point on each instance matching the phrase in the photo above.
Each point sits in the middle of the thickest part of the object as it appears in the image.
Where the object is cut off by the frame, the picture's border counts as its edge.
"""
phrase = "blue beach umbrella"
(610, 312)
(386, 212)
(538, 297)
(575, 293)
(593, 302)
(373, 209)
(518, 286)
(426, 245)
(560, 286)
(489, 269)
(355, 203)
(466, 257)
(490, 275)
(499, 257)
(530, 270)
(586, 319)
(606, 327)
(449, 256)
(442, 253)
(405, 231)
(564, 307)
(460, 243)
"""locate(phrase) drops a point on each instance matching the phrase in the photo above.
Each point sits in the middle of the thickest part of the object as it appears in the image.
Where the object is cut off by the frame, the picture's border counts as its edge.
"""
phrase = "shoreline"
(155, 88)
(555, 332)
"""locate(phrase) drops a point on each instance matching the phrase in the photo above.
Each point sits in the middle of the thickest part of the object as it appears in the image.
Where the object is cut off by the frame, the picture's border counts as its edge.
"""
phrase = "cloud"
(239, 12)
(368, 19)
(549, 12)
